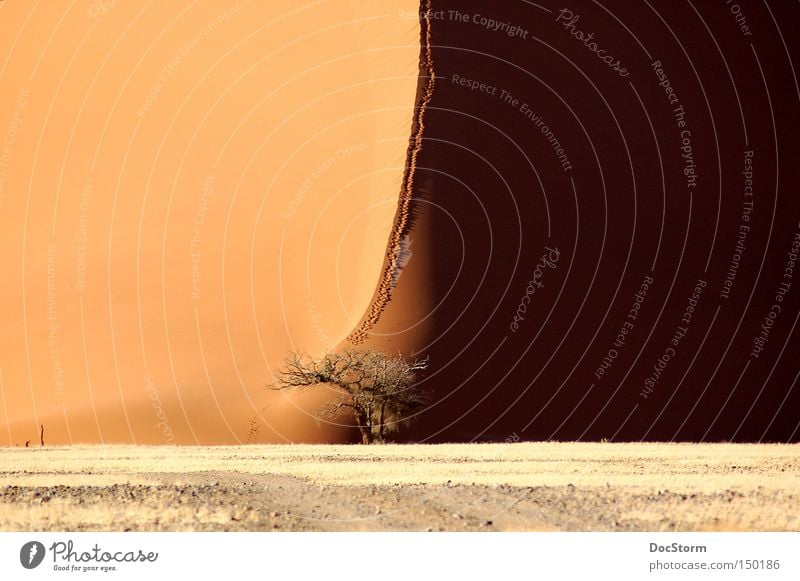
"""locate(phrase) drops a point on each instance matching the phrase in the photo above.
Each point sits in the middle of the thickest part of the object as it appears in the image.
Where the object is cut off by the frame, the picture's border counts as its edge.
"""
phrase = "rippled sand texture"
(187, 192)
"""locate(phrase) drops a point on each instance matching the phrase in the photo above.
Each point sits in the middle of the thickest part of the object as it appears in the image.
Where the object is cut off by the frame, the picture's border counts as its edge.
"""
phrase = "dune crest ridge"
(396, 252)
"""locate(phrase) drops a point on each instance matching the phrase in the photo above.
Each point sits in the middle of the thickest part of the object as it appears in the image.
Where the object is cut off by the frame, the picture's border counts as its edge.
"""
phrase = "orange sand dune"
(187, 192)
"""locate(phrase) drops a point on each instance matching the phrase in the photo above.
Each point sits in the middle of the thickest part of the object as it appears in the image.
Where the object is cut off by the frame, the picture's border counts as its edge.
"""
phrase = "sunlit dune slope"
(188, 191)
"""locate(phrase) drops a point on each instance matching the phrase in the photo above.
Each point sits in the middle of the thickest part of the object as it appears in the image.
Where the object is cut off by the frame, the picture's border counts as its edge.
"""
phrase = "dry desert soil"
(460, 487)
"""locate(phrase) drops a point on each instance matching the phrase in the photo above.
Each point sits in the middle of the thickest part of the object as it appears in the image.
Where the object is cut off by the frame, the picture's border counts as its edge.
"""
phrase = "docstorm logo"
(31, 554)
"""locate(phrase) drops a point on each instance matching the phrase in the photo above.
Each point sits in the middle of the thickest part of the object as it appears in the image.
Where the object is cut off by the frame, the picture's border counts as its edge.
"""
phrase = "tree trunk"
(366, 436)
(364, 428)
(381, 428)
(369, 422)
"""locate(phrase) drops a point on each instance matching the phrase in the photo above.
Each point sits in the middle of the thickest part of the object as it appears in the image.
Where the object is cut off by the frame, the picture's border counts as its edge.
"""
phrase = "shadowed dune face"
(188, 192)
(608, 248)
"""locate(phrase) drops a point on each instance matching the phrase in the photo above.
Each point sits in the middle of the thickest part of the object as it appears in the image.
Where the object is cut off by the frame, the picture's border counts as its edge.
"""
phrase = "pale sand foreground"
(549, 486)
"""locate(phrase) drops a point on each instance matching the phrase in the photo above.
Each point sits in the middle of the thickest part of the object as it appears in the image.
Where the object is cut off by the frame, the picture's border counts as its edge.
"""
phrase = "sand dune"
(582, 251)
(188, 192)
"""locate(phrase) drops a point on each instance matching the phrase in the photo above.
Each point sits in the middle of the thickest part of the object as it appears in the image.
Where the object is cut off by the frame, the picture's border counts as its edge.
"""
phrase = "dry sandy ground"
(461, 487)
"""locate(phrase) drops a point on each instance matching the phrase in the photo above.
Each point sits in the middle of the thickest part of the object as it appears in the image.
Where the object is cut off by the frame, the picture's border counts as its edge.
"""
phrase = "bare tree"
(380, 390)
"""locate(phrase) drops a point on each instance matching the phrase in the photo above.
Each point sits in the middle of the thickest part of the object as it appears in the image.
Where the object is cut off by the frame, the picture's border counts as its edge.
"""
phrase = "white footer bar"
(389, 556)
